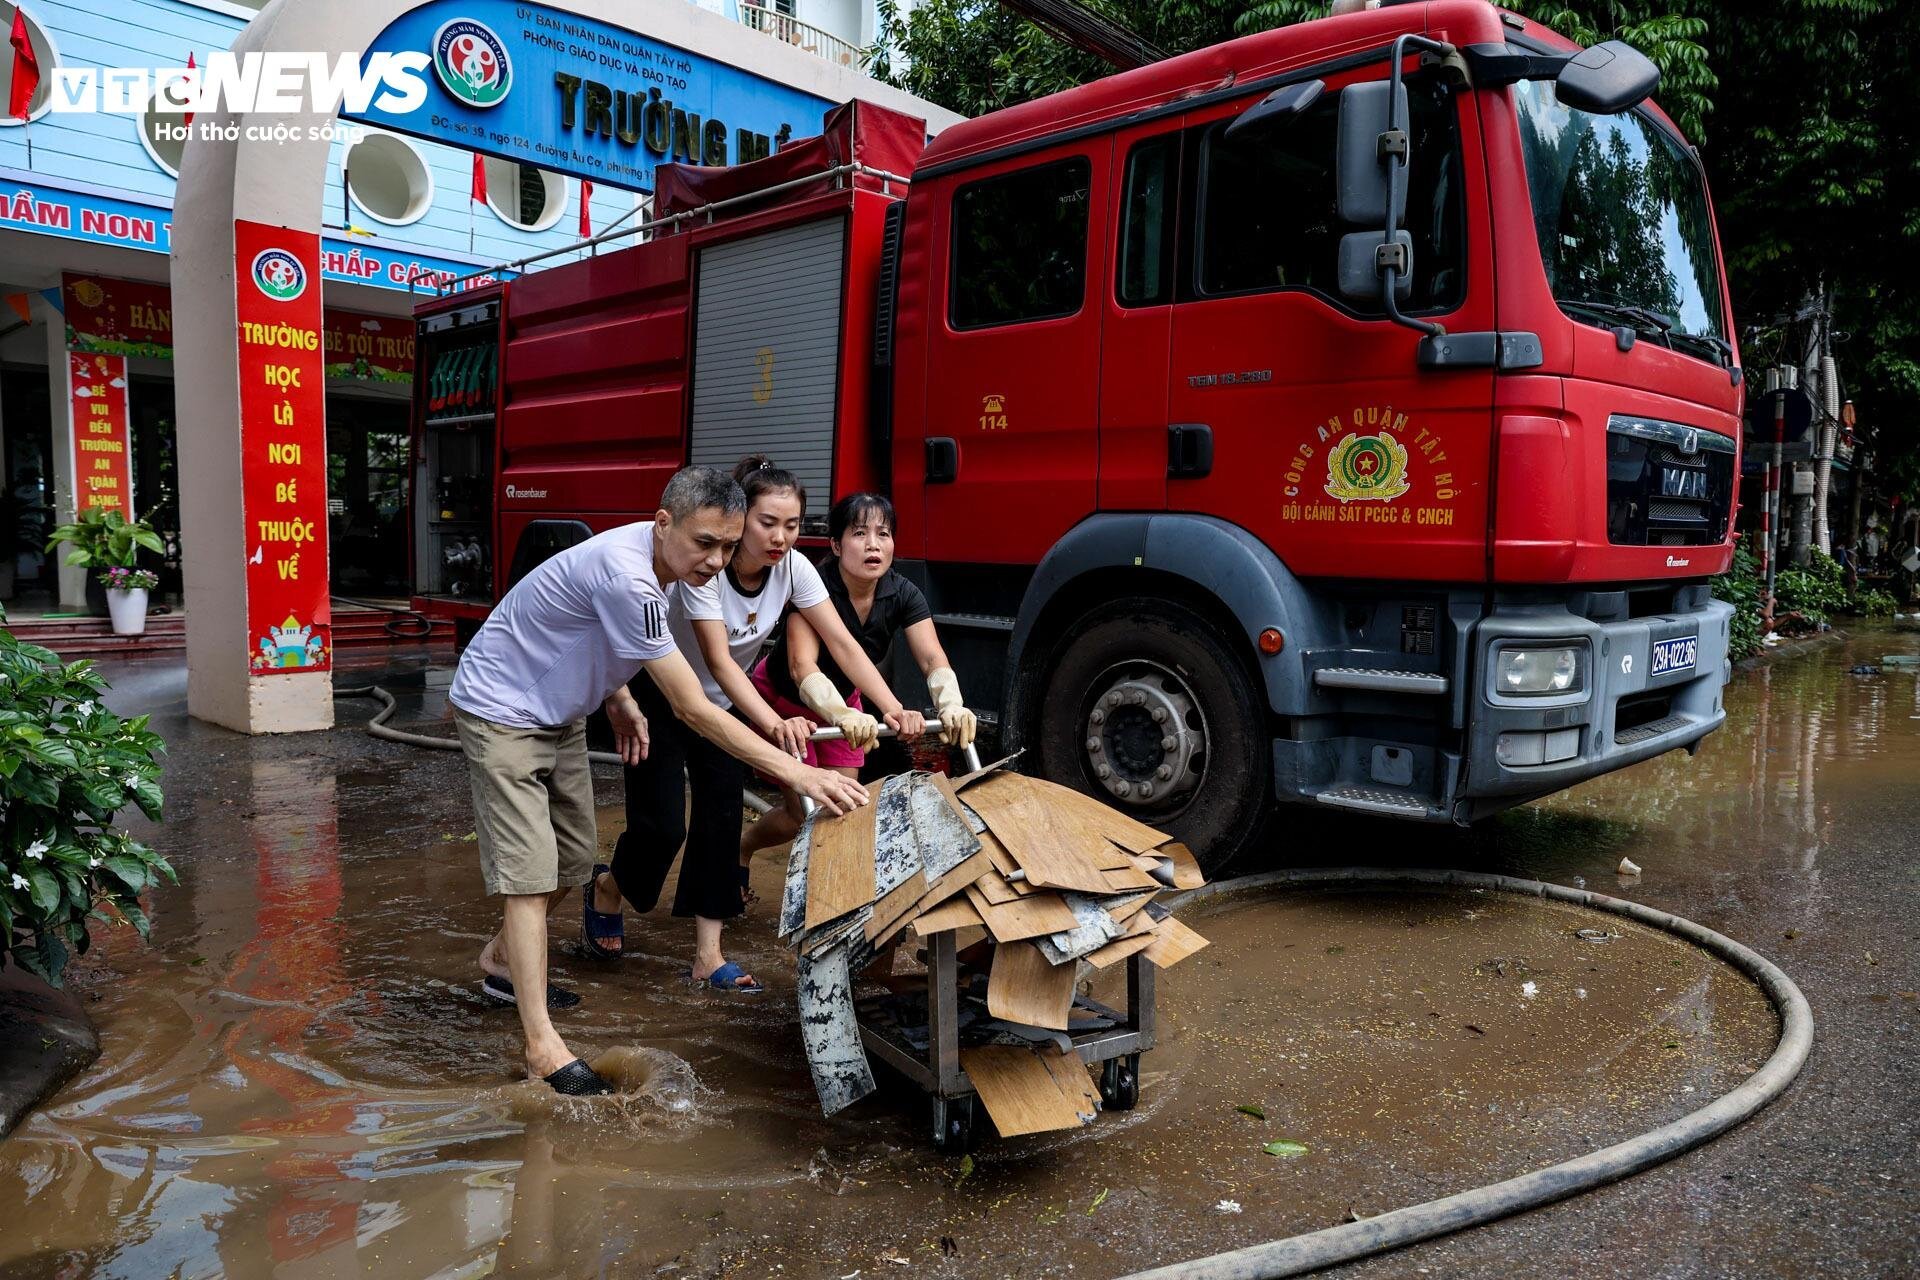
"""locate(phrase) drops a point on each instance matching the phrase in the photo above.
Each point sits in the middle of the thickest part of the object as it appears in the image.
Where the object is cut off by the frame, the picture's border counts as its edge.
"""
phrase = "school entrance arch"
(600, 89)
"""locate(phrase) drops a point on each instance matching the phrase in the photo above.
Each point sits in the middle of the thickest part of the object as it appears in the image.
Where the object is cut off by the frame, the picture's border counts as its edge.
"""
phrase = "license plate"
(1674, 655)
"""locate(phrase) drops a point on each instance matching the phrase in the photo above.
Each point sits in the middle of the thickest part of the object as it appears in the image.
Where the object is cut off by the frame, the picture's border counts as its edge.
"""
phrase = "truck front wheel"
(1148, 708)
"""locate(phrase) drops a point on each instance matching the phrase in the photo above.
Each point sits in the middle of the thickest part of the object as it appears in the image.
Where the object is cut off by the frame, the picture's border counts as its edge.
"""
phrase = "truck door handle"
(1189, 451)
(943, 459)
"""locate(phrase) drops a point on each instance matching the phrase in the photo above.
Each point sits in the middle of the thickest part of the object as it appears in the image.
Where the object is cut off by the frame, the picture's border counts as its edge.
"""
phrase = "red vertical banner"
(102, 464)
(283, 448)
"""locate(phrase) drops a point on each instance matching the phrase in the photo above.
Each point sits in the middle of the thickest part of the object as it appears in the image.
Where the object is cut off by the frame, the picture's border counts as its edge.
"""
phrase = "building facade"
(86, 200)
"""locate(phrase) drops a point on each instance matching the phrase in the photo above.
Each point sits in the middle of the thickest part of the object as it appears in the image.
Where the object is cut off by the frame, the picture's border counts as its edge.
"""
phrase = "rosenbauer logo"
(279, 275)
(472, 63)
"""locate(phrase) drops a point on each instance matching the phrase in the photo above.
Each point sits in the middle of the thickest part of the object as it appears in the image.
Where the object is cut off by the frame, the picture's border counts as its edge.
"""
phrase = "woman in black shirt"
(877, 604)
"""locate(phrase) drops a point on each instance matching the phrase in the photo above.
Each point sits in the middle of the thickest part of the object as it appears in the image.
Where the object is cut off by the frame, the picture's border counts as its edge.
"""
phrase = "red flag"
(26, 68)
(190, 84)
(479, 191)
(586, 216)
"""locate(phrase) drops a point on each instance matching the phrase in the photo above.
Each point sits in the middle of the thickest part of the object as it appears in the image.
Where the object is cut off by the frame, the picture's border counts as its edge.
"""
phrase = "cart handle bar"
(967, 753)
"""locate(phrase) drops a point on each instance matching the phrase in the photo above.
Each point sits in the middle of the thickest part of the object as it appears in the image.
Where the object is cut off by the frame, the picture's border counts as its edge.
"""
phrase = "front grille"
(1667, 485)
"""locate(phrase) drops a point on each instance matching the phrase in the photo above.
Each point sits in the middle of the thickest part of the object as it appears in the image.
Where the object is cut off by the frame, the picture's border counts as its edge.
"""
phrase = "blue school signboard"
(581, 97)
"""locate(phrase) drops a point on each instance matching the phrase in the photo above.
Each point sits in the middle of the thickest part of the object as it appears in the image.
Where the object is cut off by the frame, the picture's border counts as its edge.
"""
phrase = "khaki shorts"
(532, 804)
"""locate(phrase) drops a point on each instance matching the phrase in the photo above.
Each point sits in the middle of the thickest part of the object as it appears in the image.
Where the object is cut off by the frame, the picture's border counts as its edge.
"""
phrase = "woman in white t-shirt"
(721, 627)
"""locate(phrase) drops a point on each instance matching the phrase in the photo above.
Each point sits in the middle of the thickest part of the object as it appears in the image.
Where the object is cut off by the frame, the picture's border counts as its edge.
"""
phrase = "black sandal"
(578, 1080)
(500, 990)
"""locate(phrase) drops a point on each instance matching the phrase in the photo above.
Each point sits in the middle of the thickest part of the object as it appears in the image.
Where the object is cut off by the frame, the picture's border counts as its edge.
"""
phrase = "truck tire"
(1149, 708)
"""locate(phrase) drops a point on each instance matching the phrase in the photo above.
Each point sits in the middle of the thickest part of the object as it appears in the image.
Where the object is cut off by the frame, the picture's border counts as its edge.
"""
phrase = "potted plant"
(102, 538)
(127, 597)
(67, 767)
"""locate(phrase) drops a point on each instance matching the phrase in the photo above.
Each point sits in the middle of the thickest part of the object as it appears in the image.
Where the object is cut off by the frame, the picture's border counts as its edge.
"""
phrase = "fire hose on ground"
(1333, 1246)
(1299, 1255)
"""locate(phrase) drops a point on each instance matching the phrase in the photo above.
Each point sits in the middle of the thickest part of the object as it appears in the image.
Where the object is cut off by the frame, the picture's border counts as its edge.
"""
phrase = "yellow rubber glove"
(862, 730)
(957, 724)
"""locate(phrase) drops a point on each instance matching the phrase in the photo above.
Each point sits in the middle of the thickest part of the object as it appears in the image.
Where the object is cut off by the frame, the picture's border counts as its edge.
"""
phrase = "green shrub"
(1872, 603)
(1739, 586)
(67, 767)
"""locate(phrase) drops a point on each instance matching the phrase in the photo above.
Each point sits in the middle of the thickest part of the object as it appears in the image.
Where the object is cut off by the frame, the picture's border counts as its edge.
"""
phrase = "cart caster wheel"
(1120, 1083)
(954, 1130)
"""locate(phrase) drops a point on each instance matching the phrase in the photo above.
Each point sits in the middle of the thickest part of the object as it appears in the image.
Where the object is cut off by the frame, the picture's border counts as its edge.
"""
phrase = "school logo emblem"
(472, 63)
(1367, 469)
(279, 275)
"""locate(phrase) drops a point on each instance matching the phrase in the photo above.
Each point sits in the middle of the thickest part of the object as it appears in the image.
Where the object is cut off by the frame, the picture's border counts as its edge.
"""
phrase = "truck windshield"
(1621, 212)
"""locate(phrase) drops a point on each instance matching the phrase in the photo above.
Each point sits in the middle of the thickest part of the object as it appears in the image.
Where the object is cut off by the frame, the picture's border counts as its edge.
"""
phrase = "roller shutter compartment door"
(766, 352)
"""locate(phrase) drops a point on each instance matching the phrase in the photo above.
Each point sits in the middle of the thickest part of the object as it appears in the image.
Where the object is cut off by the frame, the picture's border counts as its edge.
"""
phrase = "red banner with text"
(283, 448)
(102, 465)
(133, 318)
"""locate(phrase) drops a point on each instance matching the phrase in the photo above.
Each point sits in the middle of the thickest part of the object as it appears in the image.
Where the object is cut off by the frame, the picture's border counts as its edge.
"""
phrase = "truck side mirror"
(1606, 79)
(1370, 158)
(1363, 256)
(1284, 103)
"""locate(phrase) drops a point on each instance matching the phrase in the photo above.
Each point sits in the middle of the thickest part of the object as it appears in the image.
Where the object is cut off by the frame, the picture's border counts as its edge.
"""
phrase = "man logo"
(472, 63)
(279, 275)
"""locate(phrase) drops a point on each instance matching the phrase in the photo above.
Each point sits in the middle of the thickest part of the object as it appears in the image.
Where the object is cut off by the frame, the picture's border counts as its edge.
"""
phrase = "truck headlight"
(1539, 671)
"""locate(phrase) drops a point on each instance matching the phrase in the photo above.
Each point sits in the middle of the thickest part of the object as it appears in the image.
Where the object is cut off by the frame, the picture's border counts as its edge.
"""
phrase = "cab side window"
(1265, 216)
(1143, 276)
(1020, 246)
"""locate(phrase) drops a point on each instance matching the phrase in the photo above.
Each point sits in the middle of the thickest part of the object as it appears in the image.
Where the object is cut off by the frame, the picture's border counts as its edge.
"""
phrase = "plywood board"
(1018, 1091)
(966, 780)
(840, 861)
(1126, 908)
(1134, 836)
(954, 913)
(954, 882)
(1050, 846)
(995, 888)
(1186, 868)
(944, 835)
(1119, 949)
(1130, 878)
(1043, 913)
(892, 911)
(1172, 943)
(1003, 863)
(1075, 1082)
(1024, 988)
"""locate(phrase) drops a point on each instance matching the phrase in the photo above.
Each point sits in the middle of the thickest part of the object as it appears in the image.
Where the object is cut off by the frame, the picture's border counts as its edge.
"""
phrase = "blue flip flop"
(595, 925)
(727, 978)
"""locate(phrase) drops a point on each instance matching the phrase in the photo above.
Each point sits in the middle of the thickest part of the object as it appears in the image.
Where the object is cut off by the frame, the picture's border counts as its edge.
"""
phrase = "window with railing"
(777, 20)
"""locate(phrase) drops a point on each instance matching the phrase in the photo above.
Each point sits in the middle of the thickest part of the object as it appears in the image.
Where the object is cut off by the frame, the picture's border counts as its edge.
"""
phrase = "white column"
(73, 581)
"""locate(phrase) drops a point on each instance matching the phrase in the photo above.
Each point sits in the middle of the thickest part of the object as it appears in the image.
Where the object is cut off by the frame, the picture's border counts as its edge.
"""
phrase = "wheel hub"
(1141, 741)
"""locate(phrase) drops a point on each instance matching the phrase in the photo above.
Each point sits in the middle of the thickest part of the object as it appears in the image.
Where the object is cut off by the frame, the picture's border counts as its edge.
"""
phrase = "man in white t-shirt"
(566, 639)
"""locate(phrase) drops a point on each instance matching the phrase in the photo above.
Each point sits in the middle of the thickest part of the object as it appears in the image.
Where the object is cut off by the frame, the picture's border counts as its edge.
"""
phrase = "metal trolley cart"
(920, 1036)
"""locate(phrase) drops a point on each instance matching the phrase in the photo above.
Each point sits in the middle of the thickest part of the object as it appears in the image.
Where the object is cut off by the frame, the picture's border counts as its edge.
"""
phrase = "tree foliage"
(1805, 111)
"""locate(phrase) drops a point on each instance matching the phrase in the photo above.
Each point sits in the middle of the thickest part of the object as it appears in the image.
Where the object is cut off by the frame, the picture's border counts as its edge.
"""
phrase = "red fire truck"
(1343, 415)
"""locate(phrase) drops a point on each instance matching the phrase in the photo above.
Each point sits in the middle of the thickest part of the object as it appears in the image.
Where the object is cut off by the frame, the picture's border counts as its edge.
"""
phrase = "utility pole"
(1797, 523)
(1828, 435)
(1862, 459)
(1780, 380)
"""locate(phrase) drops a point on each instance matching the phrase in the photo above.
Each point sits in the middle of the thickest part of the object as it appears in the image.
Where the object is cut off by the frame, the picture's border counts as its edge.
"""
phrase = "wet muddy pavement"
(299, 1079)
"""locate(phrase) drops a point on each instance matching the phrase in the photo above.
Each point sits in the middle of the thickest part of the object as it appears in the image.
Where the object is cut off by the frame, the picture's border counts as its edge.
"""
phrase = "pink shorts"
(833, 754)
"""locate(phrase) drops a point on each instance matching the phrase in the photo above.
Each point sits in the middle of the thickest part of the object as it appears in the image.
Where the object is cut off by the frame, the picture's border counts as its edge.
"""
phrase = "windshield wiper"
(1642, 319)
(1720, 349)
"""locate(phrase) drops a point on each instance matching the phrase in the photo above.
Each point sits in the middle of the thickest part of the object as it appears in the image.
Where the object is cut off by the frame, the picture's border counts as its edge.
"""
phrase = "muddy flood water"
(299, 1078)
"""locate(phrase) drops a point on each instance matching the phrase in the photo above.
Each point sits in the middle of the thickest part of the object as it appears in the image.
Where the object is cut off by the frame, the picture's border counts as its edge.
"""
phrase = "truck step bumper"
(1386, 801)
